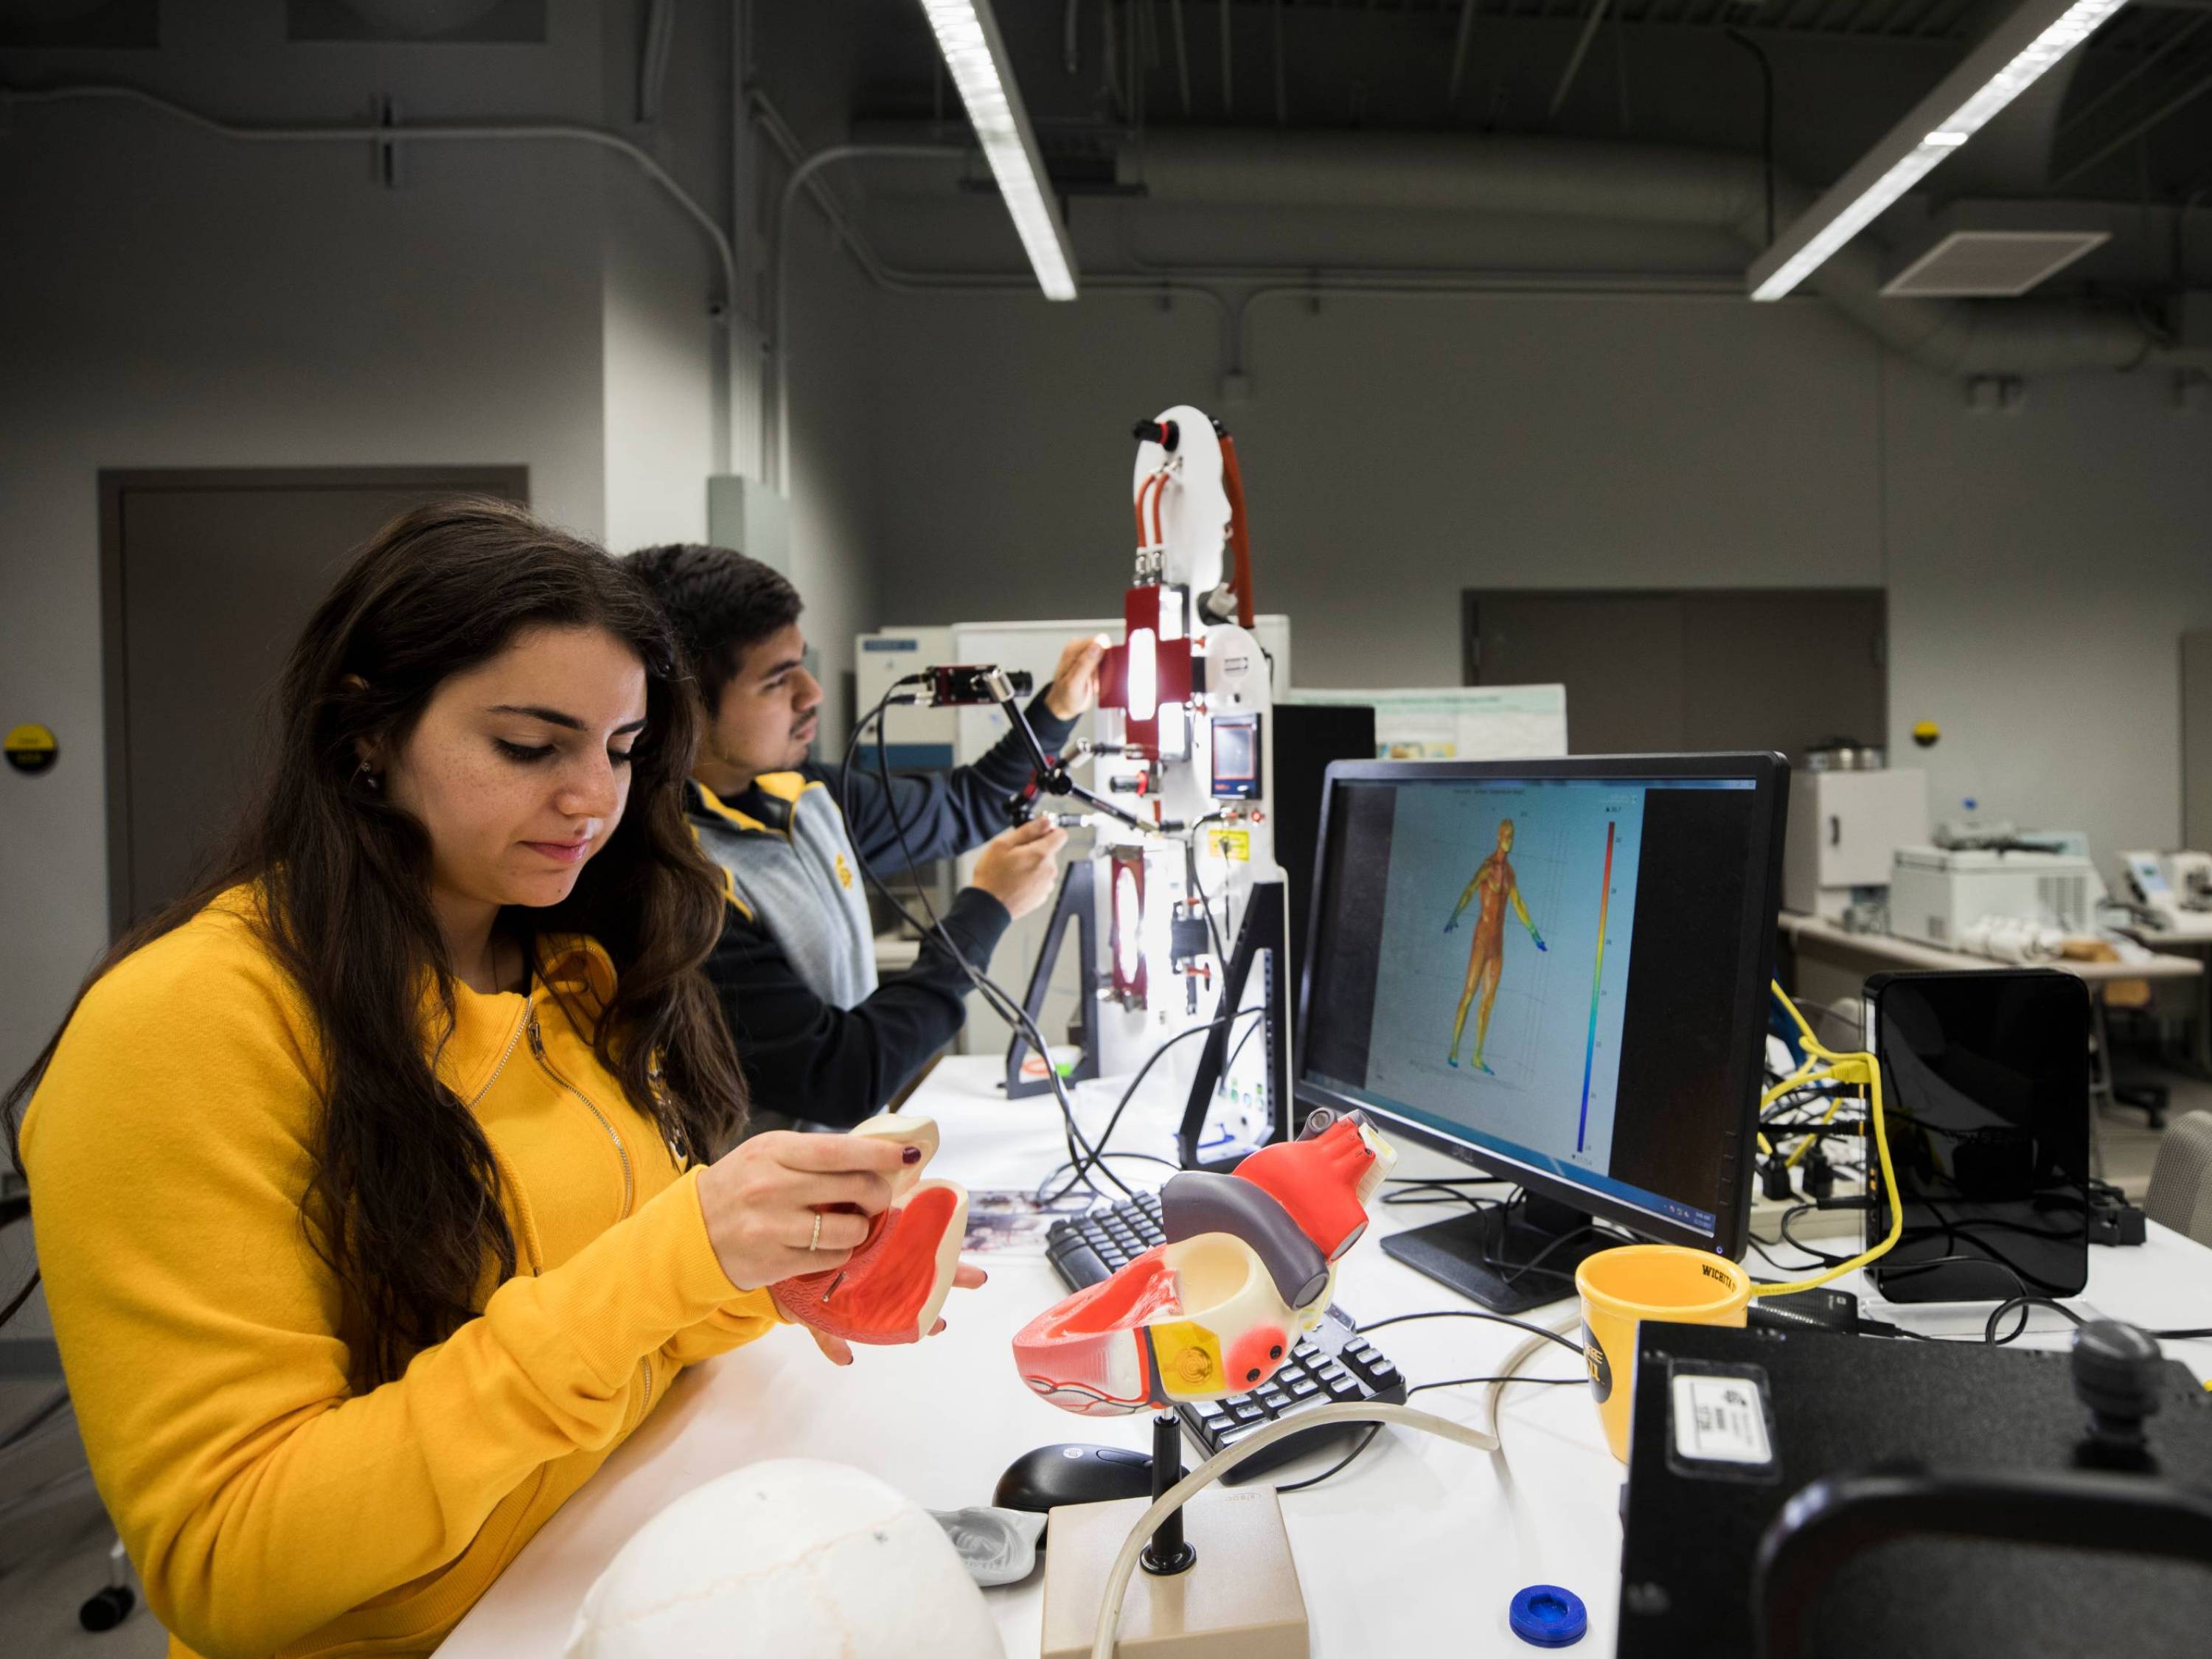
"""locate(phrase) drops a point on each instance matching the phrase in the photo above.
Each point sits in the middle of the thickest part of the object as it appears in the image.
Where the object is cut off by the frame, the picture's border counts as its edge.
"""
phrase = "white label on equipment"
(1720, 1419)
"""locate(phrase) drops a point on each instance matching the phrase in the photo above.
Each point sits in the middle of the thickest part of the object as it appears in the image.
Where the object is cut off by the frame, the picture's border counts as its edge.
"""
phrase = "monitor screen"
(1558, 970)
(1987, 1080)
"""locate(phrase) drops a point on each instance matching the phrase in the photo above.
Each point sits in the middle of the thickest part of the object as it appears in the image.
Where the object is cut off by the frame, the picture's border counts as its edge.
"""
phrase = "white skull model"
(787, 1558)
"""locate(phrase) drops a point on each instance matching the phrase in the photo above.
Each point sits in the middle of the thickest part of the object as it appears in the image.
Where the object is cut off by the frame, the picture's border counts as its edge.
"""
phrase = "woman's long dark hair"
(402, 1202)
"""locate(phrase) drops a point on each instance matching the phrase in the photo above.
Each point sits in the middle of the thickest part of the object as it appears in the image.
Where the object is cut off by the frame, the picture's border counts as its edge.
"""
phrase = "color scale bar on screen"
(1597, 976)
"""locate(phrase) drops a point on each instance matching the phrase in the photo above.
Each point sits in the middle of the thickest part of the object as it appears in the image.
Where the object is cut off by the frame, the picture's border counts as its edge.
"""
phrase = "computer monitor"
(1556, 970)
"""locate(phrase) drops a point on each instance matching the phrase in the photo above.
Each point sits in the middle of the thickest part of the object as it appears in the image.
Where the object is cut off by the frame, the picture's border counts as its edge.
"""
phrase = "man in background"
(822, 1038)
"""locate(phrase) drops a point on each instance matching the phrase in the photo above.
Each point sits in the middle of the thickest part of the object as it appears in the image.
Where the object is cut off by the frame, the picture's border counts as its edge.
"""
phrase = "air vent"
(1990, 264)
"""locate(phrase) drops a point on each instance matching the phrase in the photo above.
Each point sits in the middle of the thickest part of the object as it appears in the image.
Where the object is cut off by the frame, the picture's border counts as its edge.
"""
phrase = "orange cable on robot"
(1249, 1264)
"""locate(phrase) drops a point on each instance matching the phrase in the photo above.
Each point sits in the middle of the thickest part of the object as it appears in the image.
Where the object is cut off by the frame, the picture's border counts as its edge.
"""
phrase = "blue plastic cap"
(1547, 1616)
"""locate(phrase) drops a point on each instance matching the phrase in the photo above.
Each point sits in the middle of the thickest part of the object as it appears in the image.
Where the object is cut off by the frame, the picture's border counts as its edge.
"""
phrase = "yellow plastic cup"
(1622, 1287)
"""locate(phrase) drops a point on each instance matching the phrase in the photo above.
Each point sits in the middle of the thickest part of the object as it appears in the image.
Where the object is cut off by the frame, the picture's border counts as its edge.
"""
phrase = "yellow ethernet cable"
(1860, 1068)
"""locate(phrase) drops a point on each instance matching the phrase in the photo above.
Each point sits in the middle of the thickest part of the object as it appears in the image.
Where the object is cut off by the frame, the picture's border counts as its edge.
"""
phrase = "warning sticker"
(1720, 1419)
(1235, 844)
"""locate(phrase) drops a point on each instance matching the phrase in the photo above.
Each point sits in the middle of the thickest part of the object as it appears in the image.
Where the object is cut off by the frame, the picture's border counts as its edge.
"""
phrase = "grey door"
(1690, 669)
(207, 578)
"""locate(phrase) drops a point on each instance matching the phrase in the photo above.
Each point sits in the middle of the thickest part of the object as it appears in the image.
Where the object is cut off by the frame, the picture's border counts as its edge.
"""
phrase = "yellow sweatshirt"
(269, 1508)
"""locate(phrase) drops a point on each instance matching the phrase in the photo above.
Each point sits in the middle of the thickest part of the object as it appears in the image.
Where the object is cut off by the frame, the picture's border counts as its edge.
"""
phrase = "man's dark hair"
(721, 603)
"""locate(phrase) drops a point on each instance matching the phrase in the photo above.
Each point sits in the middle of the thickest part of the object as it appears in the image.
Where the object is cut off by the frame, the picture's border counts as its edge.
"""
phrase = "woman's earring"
(369, 779)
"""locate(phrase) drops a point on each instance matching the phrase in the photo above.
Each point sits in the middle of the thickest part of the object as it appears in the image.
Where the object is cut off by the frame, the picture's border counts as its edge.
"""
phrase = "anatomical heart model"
(1249, 1262)
(889, 1289)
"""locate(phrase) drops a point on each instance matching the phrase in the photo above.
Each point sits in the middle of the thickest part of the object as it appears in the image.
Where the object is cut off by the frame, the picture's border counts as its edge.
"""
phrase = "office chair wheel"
(109, 1608)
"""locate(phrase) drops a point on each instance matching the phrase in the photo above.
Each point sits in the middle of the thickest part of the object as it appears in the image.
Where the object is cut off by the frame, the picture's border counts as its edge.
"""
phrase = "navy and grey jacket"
(820, 1038)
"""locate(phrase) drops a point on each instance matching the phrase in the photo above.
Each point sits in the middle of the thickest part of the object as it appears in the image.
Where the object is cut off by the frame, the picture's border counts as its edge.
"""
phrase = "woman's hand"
(840, 1352)
(763, 1199)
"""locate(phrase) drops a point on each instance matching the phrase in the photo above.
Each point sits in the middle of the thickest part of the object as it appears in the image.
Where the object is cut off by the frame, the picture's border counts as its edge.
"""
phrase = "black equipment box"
(1730, 1425)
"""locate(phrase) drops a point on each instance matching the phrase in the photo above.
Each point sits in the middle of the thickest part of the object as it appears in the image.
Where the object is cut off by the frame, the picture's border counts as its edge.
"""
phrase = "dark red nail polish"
(910, 1155)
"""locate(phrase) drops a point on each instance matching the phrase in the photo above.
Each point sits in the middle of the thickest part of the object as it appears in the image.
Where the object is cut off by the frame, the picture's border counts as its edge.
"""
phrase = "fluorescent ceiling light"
(969, 37)
(2007, 63)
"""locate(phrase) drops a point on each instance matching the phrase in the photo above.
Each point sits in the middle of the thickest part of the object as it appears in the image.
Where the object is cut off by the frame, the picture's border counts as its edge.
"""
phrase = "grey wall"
(2042, 564)
(178, 299)
(833, 505)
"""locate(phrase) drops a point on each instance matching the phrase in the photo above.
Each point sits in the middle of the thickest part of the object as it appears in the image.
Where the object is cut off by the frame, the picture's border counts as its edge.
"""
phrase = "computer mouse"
(1052, 1476)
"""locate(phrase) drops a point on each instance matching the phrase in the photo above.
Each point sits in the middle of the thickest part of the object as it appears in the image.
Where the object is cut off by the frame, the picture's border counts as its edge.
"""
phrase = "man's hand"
(1075, 685)
(1539, 937)
(1018, 868)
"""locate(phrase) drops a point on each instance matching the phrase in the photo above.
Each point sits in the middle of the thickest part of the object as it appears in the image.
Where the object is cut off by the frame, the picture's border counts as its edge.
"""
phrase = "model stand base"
(1239, 1600)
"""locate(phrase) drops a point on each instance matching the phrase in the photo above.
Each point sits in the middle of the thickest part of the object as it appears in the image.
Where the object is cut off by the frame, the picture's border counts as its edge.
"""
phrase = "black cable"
(1374, 1429)
(1766, 117)
(1567, 1343)
(1198, 888)
(54, 1406)
(1230, 1064)
(1083, 1157)
(1797, 1243)
(1761, 1246)
(1114, 1118)
(1012, 1011)
(1417, 1191)
(1046, 1201)
(1342, 1463)
(16, 1302)
(1837, 1129)
(1426, 1197)
(1085, 1160)
(2025, 1303)
(13, 1209)
(1512, 1274)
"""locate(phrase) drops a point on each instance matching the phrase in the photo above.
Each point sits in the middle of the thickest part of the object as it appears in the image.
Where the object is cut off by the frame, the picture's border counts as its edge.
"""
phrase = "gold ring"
(814, 1243)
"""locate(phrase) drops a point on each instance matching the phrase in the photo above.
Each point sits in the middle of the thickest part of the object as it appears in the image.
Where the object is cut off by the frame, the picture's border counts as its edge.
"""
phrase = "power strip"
(1766, 1214)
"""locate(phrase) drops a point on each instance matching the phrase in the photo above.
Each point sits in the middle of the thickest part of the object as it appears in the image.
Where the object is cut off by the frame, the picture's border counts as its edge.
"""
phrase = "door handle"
(1835, 829)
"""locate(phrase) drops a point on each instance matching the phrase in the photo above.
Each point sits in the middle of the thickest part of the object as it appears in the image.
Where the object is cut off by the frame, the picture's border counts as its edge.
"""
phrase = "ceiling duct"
(1475, 173)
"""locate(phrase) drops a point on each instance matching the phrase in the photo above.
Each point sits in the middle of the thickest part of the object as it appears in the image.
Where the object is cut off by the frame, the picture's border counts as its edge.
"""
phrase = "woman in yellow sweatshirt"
(371, 1182)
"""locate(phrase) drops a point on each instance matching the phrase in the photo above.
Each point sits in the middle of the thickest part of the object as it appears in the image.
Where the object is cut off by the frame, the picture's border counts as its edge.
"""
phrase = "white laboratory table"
(1831, 966)
(1414, 1550)
(1818, 939)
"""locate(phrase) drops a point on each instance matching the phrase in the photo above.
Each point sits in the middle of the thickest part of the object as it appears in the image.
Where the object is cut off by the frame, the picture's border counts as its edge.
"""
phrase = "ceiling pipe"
(1628, 184)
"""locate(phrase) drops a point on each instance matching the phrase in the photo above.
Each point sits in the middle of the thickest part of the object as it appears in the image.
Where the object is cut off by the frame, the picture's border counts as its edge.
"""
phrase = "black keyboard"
(1086, 1248)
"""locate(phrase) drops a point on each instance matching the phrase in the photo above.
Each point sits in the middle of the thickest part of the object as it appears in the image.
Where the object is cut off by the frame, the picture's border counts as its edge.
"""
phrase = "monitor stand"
(1507, 1267)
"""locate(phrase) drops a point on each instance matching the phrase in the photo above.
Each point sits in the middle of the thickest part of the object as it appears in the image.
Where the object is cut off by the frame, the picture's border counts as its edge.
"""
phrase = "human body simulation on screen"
(1486, 944)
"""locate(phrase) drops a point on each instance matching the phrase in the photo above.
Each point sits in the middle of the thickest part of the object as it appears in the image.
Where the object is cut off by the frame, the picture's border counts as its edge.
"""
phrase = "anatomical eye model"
(1249, 1264)
(890, 1290)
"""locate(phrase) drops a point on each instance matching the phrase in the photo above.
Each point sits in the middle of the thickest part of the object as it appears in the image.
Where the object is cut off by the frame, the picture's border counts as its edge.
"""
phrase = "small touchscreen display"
(1236, 758)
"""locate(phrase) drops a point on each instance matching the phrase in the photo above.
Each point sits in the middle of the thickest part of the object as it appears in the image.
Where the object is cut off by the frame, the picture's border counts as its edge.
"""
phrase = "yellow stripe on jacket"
(268, 1508)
